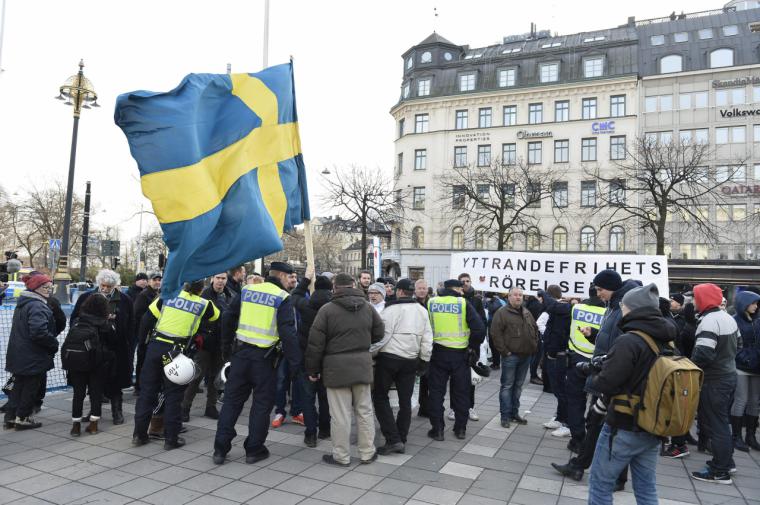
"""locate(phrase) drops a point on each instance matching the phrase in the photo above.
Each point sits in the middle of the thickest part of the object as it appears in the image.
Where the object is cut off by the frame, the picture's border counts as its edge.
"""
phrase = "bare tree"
(498, 198)
(364, 196)
(656, 180)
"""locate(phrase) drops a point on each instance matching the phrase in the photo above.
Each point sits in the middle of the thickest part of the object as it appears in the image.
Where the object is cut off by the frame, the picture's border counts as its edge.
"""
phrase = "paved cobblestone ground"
(491, 466)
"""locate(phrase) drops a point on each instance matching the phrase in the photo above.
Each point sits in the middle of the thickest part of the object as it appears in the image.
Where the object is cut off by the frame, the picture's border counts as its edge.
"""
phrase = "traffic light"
(115, 263)
(161, 261)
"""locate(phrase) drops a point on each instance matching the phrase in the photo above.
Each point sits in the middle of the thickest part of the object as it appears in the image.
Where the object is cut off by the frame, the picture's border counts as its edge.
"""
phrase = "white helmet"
(181, 370)
(221, 377)
(475, 379)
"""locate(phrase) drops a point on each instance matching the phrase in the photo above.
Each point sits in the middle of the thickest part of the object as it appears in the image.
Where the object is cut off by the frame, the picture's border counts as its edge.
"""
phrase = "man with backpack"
(623, 381)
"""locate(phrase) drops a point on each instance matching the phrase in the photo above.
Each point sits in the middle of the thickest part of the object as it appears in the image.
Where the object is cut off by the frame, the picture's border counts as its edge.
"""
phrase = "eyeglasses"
(46, 286)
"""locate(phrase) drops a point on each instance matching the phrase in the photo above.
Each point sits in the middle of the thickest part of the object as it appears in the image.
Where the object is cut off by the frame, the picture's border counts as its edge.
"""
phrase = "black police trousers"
(250, 371)
(449, 364)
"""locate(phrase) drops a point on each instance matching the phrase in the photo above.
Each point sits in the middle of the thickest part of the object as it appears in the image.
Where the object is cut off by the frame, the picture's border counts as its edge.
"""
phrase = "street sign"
(110, 247)
(55, 244)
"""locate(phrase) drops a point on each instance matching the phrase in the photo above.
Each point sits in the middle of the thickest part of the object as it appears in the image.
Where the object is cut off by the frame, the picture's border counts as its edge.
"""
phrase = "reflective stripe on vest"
(258, 314)
(181, 316)
(449, 321)
(584, 315)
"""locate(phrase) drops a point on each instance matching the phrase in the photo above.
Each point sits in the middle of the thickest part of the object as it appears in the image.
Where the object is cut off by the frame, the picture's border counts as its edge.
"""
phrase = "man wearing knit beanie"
(715, 352)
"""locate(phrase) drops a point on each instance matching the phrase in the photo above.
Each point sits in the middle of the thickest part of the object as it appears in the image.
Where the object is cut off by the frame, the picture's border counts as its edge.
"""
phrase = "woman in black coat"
(121, 319)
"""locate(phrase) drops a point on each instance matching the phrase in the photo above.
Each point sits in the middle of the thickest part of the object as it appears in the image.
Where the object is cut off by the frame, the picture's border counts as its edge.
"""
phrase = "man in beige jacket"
(403, 352)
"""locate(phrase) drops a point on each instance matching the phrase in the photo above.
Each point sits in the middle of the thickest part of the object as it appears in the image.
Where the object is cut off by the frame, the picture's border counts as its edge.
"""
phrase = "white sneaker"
(562, 431)
(474, 415)
(553, 424)
(451, 415)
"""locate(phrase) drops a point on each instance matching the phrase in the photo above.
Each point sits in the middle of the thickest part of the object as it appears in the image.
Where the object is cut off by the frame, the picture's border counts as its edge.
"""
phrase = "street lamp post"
(78, 92)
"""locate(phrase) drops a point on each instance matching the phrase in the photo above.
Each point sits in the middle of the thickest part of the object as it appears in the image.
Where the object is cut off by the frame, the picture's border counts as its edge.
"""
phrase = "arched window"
(617, 239)
(588, 239)
(480, 238)
(457, 238)
(533, 239)
(418, 238)
(721, 58)
(559, 239)
(671, 63)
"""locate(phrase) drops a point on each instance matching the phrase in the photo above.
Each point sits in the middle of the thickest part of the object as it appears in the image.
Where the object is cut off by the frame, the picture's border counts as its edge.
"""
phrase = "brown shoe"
(92, 428)
(76, 429)
(156, 428)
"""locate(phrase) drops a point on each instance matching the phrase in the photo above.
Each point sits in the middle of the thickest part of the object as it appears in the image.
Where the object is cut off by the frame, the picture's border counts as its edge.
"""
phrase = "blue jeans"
(284, 384)
(514, 369)
(635, 448)
(555, 373)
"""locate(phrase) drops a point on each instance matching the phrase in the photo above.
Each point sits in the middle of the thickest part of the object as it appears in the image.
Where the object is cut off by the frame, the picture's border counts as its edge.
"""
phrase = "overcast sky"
(348, 71)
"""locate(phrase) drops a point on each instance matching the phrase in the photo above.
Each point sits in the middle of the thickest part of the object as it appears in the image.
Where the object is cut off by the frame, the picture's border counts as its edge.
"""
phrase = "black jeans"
(82, 382)
(714, 405)
(576, 396)
(311, 394)
(24, 396)
(391, 369)
(209, 362)
(555, 375)
(536, 359)
(594, 425)
(449, 365)
(495, 355)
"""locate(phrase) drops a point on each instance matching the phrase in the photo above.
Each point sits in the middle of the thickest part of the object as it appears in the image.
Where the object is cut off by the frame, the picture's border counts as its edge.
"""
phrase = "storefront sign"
(739, 113)
(603, 127)
(472, 137)
(500, 271)
(740, 189)
(525, 134)
(739, 81)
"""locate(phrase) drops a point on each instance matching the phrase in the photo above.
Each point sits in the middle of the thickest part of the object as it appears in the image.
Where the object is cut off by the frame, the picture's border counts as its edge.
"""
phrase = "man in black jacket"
(307, 307)
(141, 282)
(624, 371)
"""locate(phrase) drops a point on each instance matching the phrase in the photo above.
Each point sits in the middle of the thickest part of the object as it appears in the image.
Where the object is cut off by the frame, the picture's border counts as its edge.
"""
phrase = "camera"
(592, 367)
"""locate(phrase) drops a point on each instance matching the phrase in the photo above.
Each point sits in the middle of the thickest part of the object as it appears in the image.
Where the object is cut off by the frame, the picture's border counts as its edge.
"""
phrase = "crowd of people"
(335, 346)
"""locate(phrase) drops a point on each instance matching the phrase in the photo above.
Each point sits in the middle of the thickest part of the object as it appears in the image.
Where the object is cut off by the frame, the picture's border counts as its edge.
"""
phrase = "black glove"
(473, 355)
(422, 368)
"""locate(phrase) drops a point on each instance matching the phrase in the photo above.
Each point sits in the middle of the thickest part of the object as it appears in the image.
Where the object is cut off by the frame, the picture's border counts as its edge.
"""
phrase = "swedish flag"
(220, 159)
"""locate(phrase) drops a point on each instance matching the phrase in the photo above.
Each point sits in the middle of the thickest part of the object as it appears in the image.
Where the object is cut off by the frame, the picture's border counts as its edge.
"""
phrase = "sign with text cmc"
(500, 271)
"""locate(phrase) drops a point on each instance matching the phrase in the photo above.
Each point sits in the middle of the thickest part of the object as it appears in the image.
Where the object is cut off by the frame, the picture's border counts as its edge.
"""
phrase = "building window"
(535, 113)
(705, 33)
(593, 38)
(562, 111)
(508, 194)
(458, 197)
(457, 238)
(589, 108)
(617, 193)
(420, 159)
(509, 154)
(657, 40)
(484, 155)
(484, 117)
(671, 63)
(757, 173)
(401, 123)
(721, 58)
(480, 238)
(617, 105)
(461, 120)
(756, 133)
(534, 195)
(423, 87)
(511, 50)
(510, 115)
(617, 239)
(559, 239)
(534, 153)
(426, 57)
(730, 30)
(734, 96)
(418, 238)
(559, 194)
(588, 239)
(484, 193)
(561, 151)
(730, 135)
(699, 136)
(756, 94)
(662, 138)
(421, 123)
(662, 103)
(735, 212)
(409, 63)
(507, 77)
(695, 100)
(460, 156)
(551, 44)
(418, 198)
(549, 72)
(617, 147)
(405, 90)
(593, 67)
(725, 173)
(588, 194)
(533, 239)
(400, 164)
(588, 149)
(467, 82)
(681, 37)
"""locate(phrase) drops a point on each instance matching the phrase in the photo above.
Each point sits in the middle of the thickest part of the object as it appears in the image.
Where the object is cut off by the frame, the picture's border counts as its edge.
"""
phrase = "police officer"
(178, 321)
(458, 331)
(259, 319)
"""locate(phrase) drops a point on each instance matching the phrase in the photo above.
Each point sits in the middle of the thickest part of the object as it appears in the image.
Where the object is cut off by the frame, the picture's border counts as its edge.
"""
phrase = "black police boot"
(219, 458)
(435, 434)
(118, 415)
(173, 444)
(185, 414)
(737, 422)
(569, 470)
(750, 422)
(389, 448)
(310, 440)
(460, 433)
(211, 412)
(138, 440)
(263, 453)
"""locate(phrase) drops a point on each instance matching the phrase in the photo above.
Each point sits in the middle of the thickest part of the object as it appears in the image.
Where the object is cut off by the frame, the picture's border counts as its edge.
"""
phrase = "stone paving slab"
(491, 466)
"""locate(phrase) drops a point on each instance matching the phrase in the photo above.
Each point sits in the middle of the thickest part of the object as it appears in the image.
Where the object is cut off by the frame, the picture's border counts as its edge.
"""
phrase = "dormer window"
(550, 44)
(593, 67)
(405, 92)
(467, 82)
(426, 57)
(511, 50)
(474, 54)
(595, 38)
(409, 63)
(549, 72)
(447, 56)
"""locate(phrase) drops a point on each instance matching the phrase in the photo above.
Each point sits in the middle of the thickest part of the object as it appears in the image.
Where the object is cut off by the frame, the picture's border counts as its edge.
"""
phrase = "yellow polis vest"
(449, 321)
(180, 317)
(258, 314)
(584, 315)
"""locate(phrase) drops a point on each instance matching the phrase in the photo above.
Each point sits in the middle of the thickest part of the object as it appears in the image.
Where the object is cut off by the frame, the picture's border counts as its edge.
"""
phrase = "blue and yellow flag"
(220, 159)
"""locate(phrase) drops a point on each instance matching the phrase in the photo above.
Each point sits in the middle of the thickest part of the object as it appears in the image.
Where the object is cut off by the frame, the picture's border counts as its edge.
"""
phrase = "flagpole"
(2, 32)
(265, 61)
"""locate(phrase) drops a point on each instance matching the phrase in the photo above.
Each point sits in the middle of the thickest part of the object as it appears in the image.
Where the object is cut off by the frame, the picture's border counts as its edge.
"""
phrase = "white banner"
(500, 271)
